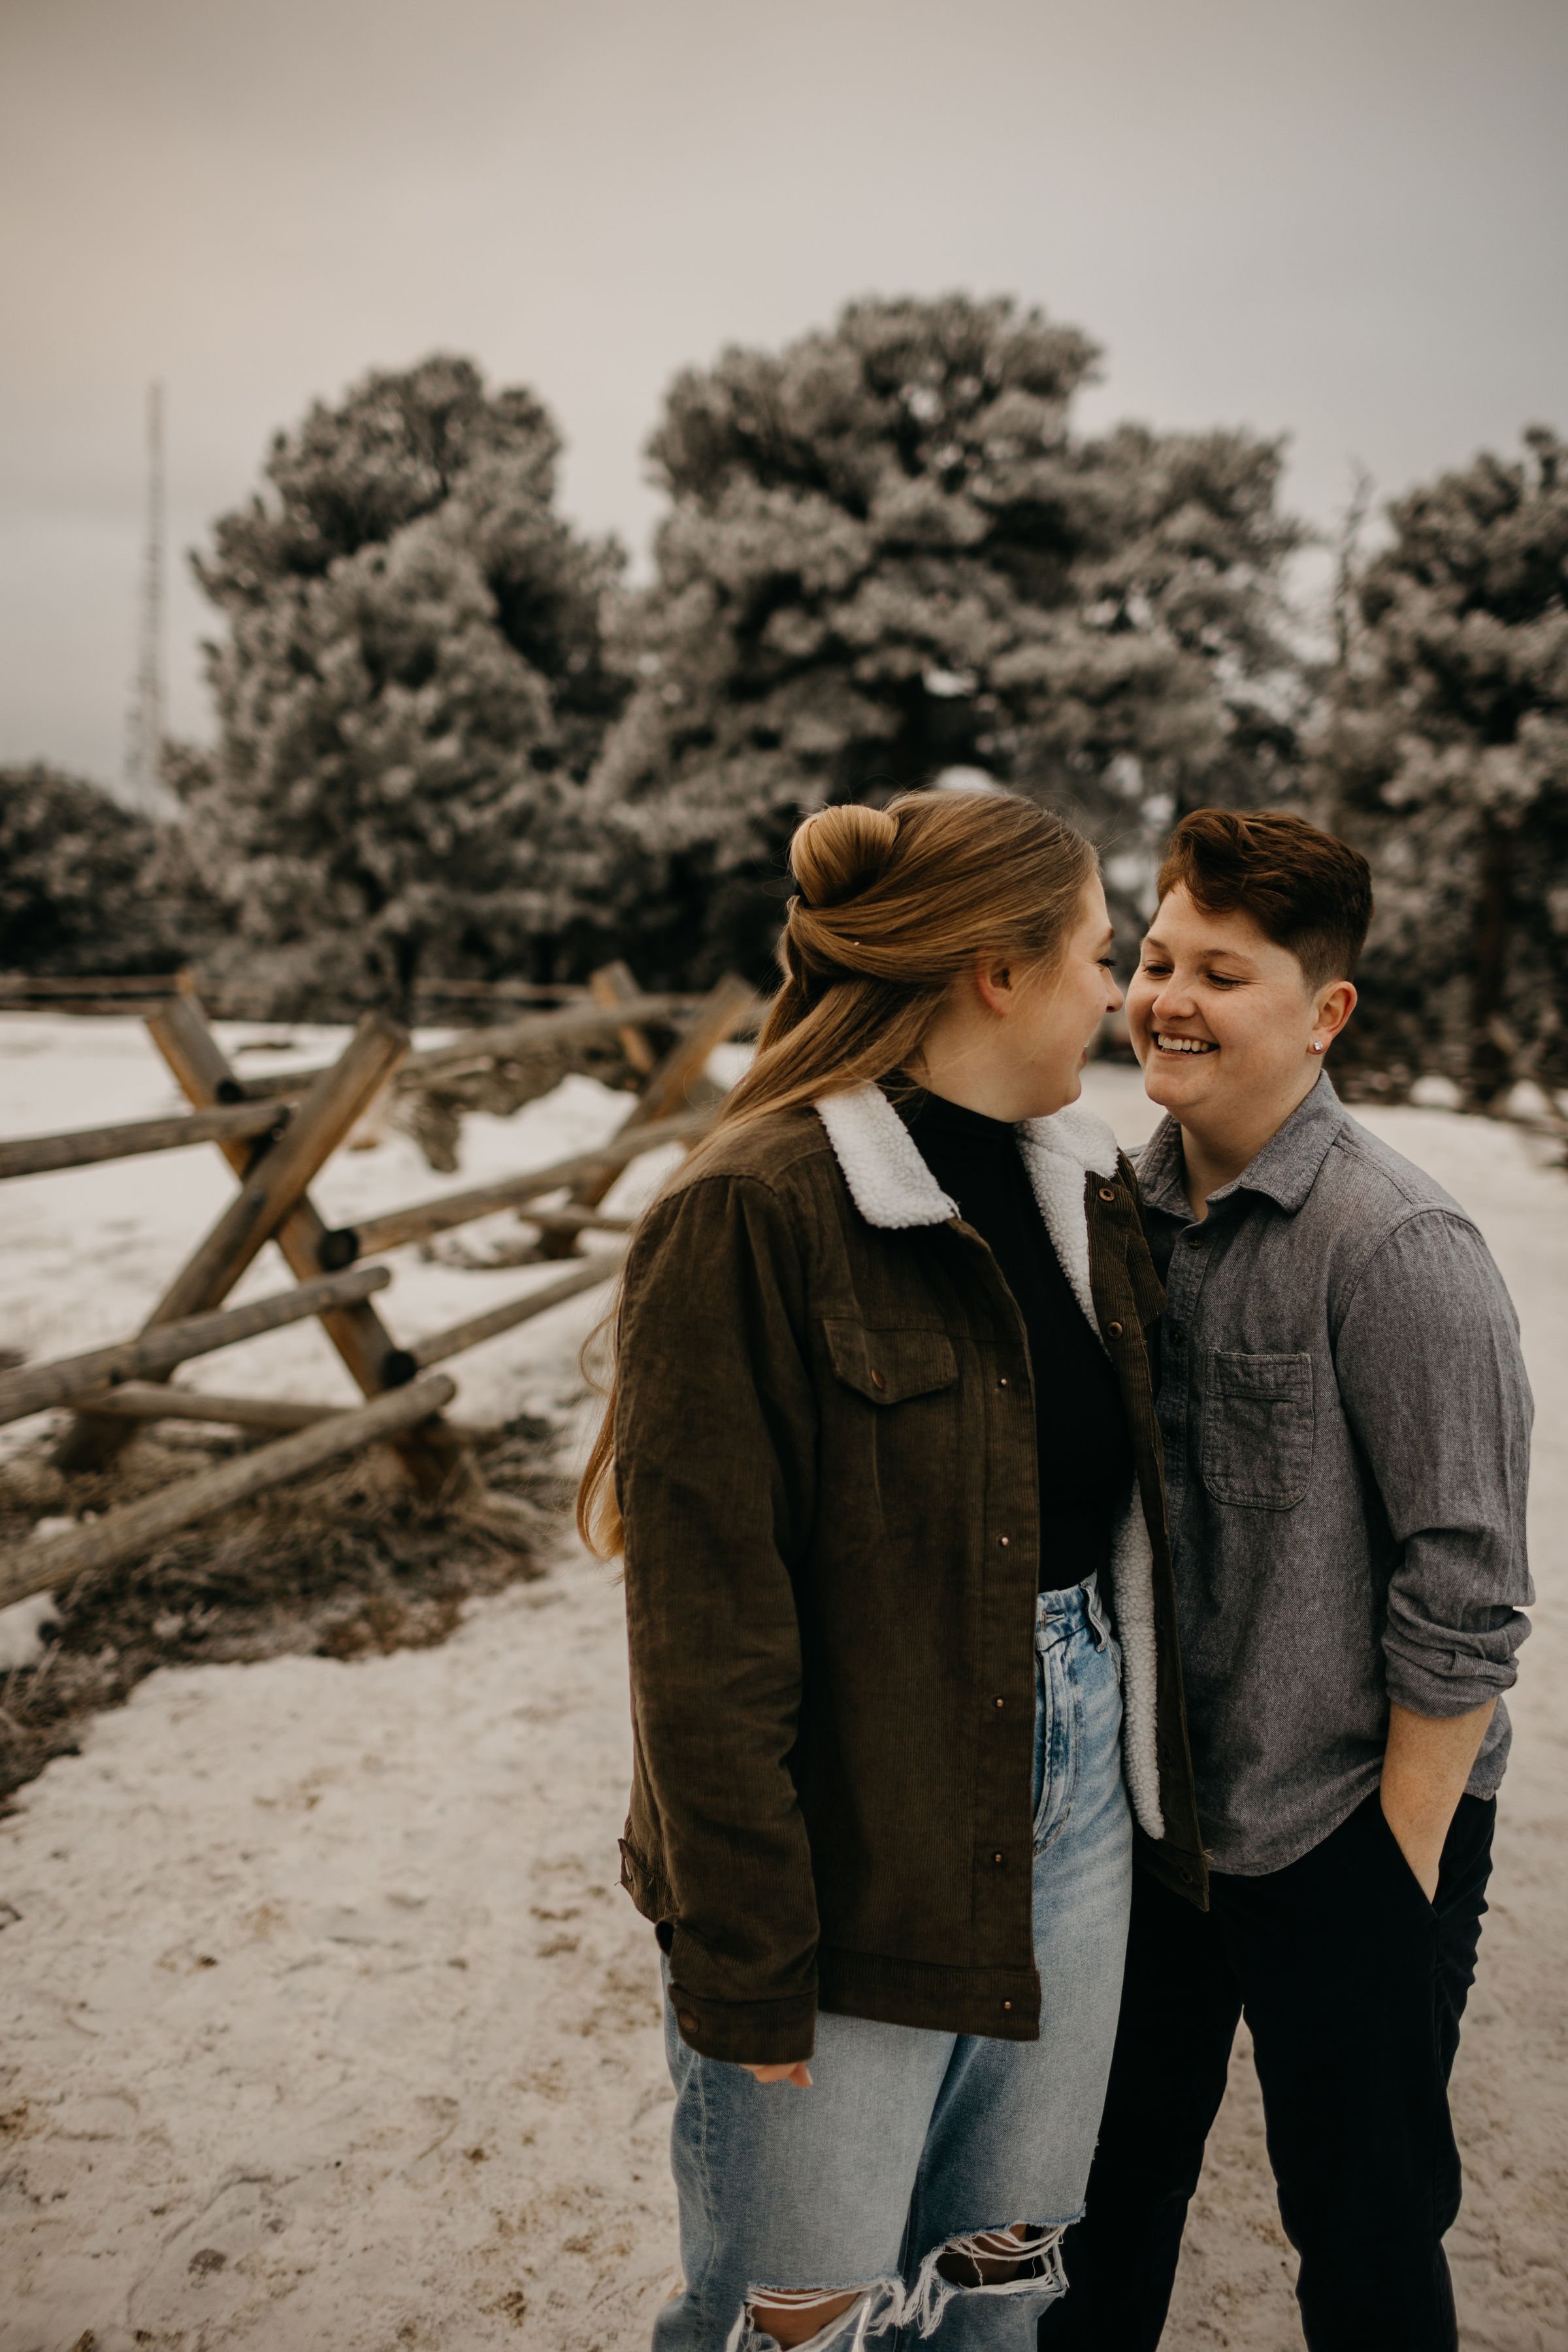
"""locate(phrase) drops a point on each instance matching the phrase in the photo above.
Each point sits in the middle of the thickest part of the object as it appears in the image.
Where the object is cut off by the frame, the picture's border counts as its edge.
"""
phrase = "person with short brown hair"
(1346, 1422)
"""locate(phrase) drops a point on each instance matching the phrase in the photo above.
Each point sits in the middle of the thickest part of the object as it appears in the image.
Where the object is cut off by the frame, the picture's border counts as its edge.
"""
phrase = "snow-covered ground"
(323, 2022)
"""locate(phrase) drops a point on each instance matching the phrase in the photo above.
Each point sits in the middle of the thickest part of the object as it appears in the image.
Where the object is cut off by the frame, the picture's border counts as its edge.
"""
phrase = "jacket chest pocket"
(1258, 1429)
(886, 1367)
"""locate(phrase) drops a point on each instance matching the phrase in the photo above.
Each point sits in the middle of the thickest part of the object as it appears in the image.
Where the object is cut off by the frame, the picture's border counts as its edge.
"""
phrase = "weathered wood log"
(34, 1387)
(574, 1220)
(274, 1183)
(500, 992)
(34, 1155)
(281, 1174)
(668, 1089)
(431, 1452)
(571, 1024)
(143, 983)
(460, 1336)
(616, 984)
(151, 1401)
(729, 1006)
(423, 1218)
(83, 1008)
(46, 1562)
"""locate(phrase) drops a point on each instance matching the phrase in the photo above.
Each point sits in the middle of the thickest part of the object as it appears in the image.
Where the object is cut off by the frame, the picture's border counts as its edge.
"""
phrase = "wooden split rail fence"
(277, 1133)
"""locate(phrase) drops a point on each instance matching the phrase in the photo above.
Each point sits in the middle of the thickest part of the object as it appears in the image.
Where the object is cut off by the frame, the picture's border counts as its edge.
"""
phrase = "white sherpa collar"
(891, 1186)
(1074, 1134)
(888, 1181)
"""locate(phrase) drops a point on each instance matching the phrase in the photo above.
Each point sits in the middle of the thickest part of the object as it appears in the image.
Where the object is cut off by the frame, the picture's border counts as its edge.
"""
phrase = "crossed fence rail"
(276, 1134)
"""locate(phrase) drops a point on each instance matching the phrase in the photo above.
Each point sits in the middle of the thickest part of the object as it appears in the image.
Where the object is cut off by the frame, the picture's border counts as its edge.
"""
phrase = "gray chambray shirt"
(1346, 1423)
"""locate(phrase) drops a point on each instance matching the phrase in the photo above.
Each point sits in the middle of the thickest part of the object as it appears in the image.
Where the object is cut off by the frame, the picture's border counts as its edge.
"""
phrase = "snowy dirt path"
(323, 2024)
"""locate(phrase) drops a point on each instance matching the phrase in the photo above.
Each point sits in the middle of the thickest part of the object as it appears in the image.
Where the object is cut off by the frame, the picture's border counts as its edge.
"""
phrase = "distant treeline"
(452, 744)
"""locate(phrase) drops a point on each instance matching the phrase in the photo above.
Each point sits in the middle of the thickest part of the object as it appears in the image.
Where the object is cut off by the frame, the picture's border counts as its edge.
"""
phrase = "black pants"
(1353, 1985)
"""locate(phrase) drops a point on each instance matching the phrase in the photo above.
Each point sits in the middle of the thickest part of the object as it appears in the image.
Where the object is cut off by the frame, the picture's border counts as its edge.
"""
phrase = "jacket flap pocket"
(887, 1365)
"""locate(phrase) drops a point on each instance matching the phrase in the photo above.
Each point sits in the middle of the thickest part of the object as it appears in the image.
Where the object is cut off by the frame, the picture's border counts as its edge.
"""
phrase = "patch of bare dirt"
(342, 1565)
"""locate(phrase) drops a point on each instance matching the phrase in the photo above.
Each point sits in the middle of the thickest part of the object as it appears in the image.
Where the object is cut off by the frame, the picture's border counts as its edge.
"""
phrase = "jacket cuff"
(746, 2032)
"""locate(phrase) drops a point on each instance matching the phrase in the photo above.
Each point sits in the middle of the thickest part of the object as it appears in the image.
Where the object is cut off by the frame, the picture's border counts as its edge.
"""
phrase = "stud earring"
(1316, 1047)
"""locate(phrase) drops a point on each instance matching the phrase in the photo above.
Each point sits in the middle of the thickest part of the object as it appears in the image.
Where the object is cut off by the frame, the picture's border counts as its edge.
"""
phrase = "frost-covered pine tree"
(412, 687)
(887, 559)
(1445, 758)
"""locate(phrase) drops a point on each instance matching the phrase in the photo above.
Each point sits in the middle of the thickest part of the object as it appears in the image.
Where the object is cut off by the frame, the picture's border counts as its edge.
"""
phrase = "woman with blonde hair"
(881, 1460)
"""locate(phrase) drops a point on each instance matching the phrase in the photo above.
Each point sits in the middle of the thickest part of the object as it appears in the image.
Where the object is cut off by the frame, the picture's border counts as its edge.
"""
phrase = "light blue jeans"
(910, 2143)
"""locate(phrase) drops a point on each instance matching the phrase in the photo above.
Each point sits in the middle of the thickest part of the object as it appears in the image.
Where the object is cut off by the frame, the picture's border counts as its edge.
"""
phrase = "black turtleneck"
(1085, 1452)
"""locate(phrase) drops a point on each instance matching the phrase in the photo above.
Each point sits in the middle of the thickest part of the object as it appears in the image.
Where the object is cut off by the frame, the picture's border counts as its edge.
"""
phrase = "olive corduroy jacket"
(827, 1469)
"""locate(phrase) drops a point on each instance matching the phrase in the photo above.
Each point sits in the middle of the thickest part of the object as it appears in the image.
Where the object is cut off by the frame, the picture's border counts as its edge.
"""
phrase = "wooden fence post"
(615, 984)
(668, 1089)
(667, 1093)
(433, 1454)
(274, 1183)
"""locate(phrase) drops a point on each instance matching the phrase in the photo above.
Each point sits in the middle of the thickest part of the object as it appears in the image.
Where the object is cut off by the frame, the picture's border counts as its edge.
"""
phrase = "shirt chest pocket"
(1258, 1429)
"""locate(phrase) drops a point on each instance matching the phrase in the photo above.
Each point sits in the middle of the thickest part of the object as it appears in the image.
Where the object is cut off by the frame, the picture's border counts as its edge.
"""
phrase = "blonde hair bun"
(838, 853)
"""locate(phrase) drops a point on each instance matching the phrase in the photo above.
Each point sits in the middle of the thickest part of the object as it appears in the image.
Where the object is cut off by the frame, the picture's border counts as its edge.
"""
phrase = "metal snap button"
(1106, 1193)
(877, 1379)
(1114, 1330)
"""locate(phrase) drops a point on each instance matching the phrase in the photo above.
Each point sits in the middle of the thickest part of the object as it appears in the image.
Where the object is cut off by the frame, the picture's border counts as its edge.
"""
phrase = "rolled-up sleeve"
(1433, 1382)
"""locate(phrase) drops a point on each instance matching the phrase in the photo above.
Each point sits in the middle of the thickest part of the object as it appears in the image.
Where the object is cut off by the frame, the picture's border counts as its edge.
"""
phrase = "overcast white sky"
(1342, 219)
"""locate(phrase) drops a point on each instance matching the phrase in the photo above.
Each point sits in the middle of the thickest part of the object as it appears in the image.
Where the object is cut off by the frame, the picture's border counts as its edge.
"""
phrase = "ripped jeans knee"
(1003, 2258)
(810, 2319)
(1022, 2260)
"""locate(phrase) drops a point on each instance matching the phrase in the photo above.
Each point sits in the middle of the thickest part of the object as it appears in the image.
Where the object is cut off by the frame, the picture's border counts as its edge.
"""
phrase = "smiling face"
(1229, 1030)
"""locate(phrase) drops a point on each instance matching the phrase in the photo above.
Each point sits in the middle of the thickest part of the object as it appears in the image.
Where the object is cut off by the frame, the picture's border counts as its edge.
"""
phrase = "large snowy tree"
(411, 689)
(888, 556)
(1446, 756)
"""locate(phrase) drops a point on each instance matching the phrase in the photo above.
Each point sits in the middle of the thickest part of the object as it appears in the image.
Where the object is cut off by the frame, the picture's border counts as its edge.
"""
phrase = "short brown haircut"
(1304, 889)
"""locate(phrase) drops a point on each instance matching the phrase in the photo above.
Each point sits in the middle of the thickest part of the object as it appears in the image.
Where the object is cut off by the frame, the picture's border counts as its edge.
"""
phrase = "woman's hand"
(799, 2075)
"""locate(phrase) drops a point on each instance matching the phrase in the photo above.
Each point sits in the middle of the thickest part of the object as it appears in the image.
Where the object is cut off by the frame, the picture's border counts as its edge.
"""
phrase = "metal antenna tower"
(145, 734)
